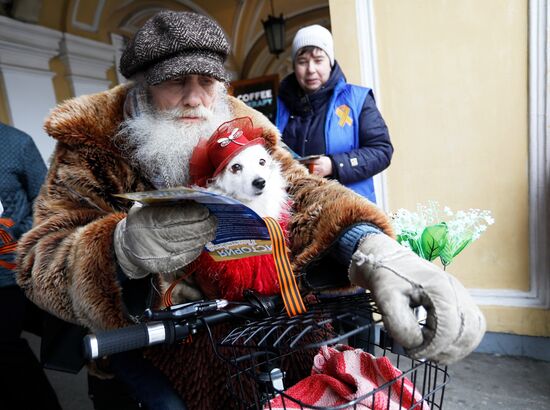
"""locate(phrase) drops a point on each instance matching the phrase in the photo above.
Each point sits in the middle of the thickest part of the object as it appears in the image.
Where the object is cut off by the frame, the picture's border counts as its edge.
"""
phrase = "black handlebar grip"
(121, 340)
(167, 331)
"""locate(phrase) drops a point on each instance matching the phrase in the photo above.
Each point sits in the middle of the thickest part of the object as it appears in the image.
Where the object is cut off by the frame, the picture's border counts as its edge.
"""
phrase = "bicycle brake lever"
(186, 310)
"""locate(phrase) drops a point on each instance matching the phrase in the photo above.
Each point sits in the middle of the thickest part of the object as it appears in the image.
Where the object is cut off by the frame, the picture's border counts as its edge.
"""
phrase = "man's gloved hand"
(399, 281)
(162, 239)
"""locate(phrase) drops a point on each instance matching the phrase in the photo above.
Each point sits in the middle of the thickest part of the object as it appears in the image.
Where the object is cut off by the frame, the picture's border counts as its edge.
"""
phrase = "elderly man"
(87, 244)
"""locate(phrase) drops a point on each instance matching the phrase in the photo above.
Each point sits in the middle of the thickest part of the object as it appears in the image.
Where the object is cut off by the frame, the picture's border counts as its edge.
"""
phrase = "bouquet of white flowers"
(431, 233)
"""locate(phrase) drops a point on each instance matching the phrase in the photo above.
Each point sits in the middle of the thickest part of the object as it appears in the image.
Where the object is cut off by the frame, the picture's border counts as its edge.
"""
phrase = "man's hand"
(162, 238)
(399, 281)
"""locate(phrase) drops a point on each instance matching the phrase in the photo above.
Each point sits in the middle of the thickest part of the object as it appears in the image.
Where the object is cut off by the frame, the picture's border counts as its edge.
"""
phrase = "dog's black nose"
(259, 183)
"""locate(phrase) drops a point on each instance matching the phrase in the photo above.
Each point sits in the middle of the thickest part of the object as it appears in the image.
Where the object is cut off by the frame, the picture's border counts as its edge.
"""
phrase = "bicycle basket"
(269, 362)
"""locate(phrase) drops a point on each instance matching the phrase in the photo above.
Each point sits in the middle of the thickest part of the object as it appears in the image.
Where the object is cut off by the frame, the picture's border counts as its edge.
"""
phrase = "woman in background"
(335, 124)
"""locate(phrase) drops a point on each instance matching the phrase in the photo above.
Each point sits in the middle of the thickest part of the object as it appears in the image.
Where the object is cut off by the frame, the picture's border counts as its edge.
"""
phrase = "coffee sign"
(259, 93)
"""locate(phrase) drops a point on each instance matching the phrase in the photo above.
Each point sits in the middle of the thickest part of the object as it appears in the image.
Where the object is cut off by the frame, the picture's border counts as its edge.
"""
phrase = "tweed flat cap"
(172, 44)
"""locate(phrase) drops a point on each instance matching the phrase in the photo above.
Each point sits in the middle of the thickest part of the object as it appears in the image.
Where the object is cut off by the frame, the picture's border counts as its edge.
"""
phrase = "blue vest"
(341, 127)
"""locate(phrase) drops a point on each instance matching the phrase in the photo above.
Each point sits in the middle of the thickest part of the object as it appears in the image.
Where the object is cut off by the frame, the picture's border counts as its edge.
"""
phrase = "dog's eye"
(236, 168)
(262, 162)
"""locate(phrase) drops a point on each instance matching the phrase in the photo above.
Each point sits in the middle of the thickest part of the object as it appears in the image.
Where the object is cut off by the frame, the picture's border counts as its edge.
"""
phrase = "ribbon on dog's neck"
(292, 298)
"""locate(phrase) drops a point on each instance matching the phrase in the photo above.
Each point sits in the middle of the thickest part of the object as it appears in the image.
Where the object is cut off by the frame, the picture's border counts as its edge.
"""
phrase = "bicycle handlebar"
(132, 337)
(178, 322)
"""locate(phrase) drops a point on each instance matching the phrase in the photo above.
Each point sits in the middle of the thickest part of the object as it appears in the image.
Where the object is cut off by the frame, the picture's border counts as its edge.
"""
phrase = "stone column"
(25, 53)
(87, 62)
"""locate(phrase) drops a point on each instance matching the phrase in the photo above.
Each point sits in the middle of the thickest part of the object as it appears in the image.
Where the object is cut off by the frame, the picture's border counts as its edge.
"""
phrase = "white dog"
(254, 178)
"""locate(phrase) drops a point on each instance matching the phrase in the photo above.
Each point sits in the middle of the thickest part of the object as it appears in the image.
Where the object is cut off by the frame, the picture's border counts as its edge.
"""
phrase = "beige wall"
(4, 109)
(454, 89)
(454, 82)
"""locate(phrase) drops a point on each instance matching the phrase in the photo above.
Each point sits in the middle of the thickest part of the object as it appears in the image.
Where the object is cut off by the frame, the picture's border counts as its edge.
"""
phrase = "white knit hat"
(316, 36)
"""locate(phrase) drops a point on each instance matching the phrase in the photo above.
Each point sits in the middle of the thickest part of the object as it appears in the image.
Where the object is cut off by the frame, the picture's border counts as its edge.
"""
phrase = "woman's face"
(312, 69)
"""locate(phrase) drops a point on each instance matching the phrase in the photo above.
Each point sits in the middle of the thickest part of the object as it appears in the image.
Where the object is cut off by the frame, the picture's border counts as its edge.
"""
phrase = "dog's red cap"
(211, 156)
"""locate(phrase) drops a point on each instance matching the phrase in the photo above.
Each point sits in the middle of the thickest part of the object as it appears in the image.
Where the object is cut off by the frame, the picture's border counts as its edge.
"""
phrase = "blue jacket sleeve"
(375, 148)
(32, 177)
(347, 244)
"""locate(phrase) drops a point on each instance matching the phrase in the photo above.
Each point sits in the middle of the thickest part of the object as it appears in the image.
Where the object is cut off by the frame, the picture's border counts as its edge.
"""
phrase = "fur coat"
(67, 264)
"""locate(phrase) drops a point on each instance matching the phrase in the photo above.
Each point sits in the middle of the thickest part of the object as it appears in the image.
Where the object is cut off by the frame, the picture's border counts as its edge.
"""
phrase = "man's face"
(177, 114)
(312, 70)
(186, 94)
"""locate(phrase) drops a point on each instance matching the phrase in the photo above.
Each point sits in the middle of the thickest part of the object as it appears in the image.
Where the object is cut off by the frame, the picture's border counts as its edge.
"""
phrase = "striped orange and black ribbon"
(9, 244)
(292, 299)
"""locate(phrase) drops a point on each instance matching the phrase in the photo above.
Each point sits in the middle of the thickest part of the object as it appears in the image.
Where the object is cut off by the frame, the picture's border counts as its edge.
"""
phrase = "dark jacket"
(304, 132)
(22, 172)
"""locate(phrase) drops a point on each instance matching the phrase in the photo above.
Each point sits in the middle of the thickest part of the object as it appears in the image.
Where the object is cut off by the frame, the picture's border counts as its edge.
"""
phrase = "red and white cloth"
(341, 374)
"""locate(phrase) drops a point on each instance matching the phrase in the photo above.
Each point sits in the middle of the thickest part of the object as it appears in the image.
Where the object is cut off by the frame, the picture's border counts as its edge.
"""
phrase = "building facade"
(462, 85)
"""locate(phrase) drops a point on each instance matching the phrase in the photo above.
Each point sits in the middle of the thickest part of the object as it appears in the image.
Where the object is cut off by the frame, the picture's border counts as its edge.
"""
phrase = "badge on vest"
(342, 112)
(353, 162)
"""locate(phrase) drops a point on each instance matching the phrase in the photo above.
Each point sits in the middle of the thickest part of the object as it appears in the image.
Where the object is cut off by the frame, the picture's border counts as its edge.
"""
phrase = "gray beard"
(161, 146)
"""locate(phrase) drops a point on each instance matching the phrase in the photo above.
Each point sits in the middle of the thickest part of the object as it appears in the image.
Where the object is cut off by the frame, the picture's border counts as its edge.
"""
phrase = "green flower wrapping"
(433, 234)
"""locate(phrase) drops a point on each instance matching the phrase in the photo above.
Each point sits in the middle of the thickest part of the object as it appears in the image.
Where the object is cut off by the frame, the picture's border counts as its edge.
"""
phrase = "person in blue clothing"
(319, 114)
(23, 384)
